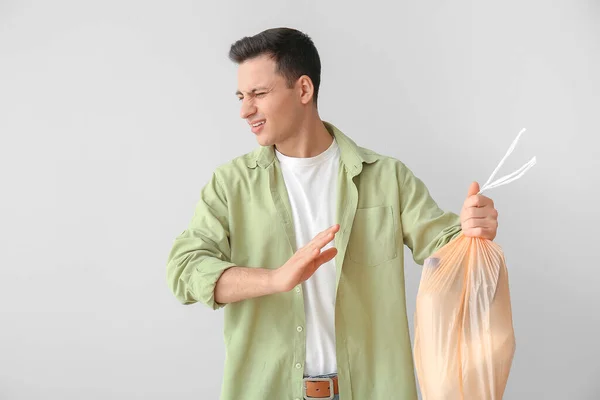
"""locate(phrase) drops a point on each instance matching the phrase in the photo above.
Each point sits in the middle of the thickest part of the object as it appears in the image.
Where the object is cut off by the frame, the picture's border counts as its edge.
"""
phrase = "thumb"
(473, 189)
(327, 256)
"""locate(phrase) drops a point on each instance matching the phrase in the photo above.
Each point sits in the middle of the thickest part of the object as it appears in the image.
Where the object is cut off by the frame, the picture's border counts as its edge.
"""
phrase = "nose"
(247, 109)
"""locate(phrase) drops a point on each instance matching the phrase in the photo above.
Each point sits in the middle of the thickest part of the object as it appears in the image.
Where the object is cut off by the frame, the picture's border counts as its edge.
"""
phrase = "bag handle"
(510, 177)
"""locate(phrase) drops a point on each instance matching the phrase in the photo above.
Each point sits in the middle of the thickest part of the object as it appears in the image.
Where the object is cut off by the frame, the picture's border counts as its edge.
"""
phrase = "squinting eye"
(260, 94)
(240, 98)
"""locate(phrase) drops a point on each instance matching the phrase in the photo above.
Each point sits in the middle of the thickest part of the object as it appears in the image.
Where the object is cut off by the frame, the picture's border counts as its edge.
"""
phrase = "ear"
(306, 89)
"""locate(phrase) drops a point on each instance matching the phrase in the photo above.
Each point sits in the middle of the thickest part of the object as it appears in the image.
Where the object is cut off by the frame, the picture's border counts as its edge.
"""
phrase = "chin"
(264, 140)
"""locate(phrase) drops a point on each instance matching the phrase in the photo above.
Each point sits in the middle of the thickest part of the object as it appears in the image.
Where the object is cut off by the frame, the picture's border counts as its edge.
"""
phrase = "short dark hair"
(293, 51)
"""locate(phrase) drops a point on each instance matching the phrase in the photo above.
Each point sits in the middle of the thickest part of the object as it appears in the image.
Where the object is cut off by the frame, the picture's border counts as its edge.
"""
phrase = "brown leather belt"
(320, 388)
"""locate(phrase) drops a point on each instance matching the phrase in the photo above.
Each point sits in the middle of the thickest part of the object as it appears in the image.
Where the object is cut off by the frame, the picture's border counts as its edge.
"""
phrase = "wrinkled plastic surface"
(464, 336)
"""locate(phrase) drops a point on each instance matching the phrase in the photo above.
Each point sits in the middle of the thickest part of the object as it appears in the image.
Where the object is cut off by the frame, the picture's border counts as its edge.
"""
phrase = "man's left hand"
(478, 216)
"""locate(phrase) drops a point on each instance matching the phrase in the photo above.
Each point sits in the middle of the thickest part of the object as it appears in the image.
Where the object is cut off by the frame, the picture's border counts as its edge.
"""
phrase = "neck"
(311, 139)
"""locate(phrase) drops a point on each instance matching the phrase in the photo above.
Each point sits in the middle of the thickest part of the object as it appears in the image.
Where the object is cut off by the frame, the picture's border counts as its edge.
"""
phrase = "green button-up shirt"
(244, 218)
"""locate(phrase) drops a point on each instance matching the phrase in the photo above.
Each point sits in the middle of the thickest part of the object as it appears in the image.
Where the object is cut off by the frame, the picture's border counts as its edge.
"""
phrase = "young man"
(302, 241)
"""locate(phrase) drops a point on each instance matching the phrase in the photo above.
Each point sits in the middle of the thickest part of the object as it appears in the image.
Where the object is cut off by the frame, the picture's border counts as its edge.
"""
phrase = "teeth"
(258, 124)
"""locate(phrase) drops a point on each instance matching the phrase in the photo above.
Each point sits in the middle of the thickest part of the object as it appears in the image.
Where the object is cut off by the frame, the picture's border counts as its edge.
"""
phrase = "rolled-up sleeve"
(202, 252)
(426, 227)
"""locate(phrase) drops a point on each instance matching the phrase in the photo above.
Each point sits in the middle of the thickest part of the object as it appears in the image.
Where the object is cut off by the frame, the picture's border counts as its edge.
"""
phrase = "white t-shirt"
(312, 188)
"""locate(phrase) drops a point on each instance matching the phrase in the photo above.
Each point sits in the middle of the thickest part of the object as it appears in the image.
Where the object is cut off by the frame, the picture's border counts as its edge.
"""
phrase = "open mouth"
(257, 126)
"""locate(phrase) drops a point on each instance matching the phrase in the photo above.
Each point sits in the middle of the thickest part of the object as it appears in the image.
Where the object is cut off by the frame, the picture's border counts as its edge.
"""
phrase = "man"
(302, 241)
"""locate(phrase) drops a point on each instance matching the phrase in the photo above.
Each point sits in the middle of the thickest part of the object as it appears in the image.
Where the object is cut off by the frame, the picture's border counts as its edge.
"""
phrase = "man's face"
(267, 103)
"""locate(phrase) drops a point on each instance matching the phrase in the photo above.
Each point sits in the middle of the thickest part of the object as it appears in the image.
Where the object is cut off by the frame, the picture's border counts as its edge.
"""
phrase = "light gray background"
(114, 114)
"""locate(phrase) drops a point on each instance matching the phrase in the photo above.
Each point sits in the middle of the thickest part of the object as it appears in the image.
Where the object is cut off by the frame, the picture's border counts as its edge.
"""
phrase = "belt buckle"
(331, 390)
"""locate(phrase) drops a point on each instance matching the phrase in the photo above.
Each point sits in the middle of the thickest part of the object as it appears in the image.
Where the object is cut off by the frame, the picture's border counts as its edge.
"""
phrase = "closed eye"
(252, 94)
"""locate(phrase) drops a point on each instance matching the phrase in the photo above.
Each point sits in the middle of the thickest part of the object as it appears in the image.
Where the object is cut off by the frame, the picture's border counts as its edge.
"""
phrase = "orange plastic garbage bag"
(464, 338)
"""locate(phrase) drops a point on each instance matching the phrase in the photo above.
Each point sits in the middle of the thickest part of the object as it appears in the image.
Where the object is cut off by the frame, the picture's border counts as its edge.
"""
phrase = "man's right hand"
(305, 261)
(242, 283)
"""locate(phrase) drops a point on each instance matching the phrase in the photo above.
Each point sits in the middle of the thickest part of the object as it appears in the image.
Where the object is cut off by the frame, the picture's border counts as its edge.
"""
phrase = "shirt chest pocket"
(373, 238)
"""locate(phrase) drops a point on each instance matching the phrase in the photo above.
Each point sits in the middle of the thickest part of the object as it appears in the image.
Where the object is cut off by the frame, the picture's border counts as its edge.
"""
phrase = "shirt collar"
(352, 156)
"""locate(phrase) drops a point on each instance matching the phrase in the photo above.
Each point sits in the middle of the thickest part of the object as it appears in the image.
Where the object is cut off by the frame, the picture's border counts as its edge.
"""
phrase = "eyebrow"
(258, 89)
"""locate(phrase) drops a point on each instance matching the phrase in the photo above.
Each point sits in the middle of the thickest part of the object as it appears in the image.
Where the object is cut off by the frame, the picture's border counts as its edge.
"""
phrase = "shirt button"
(298, 365)
(297, 289)
(299, 329)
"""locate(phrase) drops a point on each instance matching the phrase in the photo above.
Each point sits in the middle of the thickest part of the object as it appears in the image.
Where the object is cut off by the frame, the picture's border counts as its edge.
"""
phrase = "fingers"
(476, 223)
(325, 256)
(312, 250)
(308, 253)
(479, 201)
(485, 212)
(323, 238)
